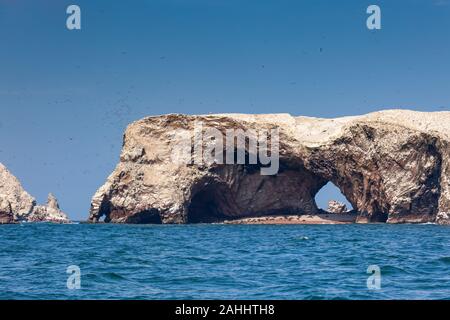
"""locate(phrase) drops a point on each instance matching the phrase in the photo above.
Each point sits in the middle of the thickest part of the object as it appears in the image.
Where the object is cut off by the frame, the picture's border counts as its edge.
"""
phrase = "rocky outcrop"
(336, 207)
(393, 166)
(49, 213)
(17, 205)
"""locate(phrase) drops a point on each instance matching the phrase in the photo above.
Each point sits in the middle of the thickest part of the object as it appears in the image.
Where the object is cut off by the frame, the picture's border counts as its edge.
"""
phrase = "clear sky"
(67, 96)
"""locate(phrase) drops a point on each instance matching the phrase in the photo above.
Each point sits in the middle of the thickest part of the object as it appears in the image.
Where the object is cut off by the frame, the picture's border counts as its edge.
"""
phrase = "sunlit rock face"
(17, 205)
(13, 195)
(392, 166)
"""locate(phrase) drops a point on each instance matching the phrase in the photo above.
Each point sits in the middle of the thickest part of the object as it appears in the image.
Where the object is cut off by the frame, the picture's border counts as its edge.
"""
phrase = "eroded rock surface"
(17, 205)
(6, 215)
(392, 166)
(443, 218)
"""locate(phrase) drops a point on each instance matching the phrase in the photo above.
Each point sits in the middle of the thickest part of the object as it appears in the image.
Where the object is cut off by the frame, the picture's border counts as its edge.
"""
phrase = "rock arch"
(392, 167)
(386, 174)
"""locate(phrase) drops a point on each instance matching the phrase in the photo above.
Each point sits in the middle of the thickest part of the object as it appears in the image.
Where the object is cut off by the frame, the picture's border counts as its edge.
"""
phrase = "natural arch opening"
(331, 192)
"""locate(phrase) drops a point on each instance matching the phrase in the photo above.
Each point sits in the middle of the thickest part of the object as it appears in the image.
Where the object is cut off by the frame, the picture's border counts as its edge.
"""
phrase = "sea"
(213, 261)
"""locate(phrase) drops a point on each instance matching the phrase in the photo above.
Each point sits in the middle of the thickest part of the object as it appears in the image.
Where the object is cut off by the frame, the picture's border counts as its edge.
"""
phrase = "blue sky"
(67, 96)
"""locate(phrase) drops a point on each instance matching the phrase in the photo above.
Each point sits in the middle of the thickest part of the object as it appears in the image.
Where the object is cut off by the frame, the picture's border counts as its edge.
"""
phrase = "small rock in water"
(336, 207)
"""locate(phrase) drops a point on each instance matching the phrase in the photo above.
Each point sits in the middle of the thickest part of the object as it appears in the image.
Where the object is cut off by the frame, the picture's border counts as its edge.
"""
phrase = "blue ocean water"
(224, 261)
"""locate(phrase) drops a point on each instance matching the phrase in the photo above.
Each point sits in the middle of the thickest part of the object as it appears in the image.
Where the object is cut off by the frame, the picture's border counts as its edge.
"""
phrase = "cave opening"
(211, 202)
(380, 217)
(207, 205)
(145, 217)
(331, 192)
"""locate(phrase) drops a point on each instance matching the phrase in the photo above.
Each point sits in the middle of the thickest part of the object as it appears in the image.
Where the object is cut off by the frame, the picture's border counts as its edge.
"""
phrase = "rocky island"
(392, 166)
(17, 205)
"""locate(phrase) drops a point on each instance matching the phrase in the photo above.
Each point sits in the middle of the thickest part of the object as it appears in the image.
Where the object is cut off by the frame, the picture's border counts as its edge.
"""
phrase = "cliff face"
(17, 205)
(393, 166)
